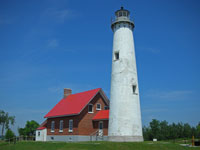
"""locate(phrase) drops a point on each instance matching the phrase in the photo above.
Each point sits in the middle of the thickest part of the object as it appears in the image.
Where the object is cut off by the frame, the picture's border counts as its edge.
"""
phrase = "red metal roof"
(72, 104)
(102, 115)
(41, 128)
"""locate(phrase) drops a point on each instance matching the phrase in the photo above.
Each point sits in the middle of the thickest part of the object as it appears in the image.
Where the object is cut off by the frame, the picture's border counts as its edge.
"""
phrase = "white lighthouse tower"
(125, 116)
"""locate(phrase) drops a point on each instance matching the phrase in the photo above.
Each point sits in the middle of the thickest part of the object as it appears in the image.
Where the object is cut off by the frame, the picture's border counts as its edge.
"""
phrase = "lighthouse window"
(120, 14)
(116, 56)
(124, 13)
(134, 89)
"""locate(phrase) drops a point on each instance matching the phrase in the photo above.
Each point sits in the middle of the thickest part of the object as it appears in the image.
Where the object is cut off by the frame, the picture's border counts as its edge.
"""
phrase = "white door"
(101, 128)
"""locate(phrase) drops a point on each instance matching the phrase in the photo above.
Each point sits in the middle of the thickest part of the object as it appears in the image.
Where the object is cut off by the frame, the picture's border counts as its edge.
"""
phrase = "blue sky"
(48, 45)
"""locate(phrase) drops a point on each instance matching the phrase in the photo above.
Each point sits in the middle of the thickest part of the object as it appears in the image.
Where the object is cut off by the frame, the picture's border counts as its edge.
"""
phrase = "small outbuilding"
(41, 132)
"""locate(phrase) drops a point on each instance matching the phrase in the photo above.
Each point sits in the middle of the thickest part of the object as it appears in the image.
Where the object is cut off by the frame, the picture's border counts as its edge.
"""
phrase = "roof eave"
(100, 119)
(62, 116)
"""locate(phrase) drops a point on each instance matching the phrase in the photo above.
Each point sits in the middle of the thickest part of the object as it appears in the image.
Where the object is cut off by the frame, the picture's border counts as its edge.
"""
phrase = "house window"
(134, 89)
(98, 107)
(106, 107)
(71, 125)
(61, 126)
(90, 108)
(52, 126)
(38, 133)
(116, 56)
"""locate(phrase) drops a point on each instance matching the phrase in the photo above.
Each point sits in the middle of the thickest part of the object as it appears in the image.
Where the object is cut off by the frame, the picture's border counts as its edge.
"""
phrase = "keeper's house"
(77, 117)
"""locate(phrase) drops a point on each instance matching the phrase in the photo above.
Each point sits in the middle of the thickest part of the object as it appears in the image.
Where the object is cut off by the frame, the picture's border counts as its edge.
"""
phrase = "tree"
(9, 134)
(155, 128)
(21, 131)
(5, 120)
(198, 130)
(29, 129)
(164, 130)
(147, 133)
(173, 131)
(187, 131)
(180, 130)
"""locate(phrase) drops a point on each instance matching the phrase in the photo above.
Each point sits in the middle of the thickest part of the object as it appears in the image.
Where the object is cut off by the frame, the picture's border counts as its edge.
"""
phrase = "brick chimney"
(67, 92)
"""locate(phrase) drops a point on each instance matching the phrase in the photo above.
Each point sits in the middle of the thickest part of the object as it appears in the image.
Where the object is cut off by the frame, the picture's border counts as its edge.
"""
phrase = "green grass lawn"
(94, 146)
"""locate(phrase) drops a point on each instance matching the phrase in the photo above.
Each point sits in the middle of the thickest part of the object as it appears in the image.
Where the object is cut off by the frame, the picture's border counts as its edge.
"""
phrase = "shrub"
(9, 134)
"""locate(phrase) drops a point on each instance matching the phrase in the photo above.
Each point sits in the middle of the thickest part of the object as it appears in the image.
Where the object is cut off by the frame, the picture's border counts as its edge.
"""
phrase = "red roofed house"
(77, 117)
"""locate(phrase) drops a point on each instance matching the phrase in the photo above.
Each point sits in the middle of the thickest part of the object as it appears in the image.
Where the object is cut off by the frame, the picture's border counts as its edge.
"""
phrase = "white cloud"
(55, 89)
(5, 20)
(169, 95)
(53, 43)
(153, 50)
(155, 110)
(76, 88)
(27, 111)
(57, 15)
(62, 15)
(150, 50)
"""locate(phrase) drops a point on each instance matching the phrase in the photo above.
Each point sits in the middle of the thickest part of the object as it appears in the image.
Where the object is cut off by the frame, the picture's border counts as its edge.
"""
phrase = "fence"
(20, 138)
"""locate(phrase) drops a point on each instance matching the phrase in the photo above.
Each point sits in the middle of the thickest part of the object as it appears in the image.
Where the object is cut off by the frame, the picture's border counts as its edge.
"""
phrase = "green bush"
(9, 134)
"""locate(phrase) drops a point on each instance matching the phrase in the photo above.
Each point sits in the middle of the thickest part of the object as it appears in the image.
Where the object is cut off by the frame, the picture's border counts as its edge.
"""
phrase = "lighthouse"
(125, 115)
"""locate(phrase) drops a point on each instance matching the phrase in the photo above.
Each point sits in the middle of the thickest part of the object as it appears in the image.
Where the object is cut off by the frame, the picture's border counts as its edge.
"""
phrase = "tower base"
(125, 138)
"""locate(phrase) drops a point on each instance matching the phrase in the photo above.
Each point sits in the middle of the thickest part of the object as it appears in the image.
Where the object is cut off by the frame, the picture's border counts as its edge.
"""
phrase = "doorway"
(100, 128)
